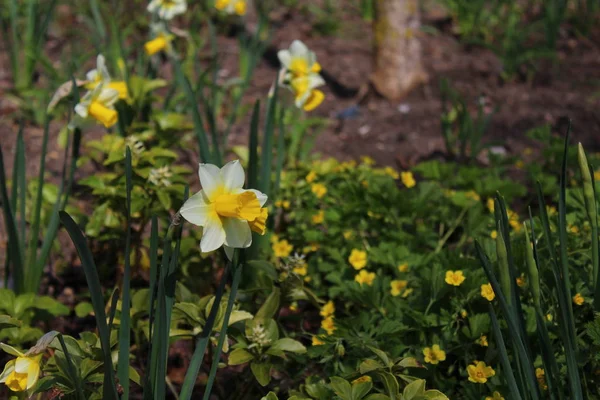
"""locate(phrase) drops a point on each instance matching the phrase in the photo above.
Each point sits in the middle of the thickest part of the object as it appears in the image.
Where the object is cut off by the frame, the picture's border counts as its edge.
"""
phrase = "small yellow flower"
(301, 270)
(162, 41)
(397, 286)
(521, 281)
(310, 249)
(362, 379)
(403, 267)
(549, 317)
(391, 172)
(495, 396)
(274, 239)
(318, 218)
(494, 234)
(573, 229)
(490, 204)
(482, 341)
(487, 292)
(285, 204)
(282, 248)
(232, 6)
(454, 278)
(294, 306)
(519, 164)
(407, 293)
(367, 160)
(22, 373)
(318, 190)
(365, 183)
(471, 194)
(365, 277)
(578, 299)
(433, 355)
(316, 341)
(479, 372)
(358, 259)
(328, 309)
(348, 234)
(551, 210)
(408, 179)
(513, 220)
(464, 313)
(307, 279)
(528, 151)
(310, 178)
(540, 374)
(328, 325)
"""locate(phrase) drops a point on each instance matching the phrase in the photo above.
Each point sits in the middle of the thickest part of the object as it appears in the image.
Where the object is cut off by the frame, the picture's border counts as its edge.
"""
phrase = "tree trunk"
(397, 64)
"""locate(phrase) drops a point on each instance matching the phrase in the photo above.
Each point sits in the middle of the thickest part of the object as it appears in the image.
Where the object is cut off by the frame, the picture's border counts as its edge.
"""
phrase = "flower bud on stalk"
(534, 278)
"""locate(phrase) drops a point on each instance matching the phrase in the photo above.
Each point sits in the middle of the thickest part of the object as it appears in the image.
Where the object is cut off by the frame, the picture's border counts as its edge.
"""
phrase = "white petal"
(238, 233)
(108, 96)
(315, 80)
(82, 110)
(285, 58)
(22, 364)
(262, 198)
(196, 209)
(210, 179)
(32, 375)
(213, 236)
(152, 6)
(91, 75)
(232, 175)
(299, 49)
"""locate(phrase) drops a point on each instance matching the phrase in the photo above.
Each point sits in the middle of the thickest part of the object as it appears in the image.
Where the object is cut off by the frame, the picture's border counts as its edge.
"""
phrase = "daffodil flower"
(167, 9)
(298, 61)
(162, 40)
(21, 373)
(98, 105)
(306, 96)
(232, 6)
(227, 213)
(100, 76)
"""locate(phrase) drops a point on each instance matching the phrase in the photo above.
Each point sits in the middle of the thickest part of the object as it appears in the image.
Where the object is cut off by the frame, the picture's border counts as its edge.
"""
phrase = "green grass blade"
(223, 334)
(72, 370)
(91, 275)
(202, 342)
(15, 45)
(98, 22)
(29, 44)
(253, 147)
(32, 283)
(151, 309)
(13, 252)
(124, 328)
(114, 301)
(20, 204)
(504, 359)
(205, 154)
(521, 352)
(264, 183)
(280, 150)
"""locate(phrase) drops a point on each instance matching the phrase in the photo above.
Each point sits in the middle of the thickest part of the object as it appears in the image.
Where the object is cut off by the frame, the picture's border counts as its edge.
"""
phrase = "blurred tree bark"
(397, 62)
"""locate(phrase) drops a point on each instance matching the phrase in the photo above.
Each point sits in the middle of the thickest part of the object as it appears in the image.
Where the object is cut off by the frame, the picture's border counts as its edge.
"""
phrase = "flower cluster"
(327, 312)
(300, 73)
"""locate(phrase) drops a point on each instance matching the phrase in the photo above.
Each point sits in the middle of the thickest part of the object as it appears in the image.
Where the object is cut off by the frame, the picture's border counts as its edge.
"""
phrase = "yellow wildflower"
(573, 229)
(310, 178)
(348, 234)
(365, 183)
(328, 325)
(391, 172)
(319, 190)
(483, 341)
(408, 179)
(551, 210)
(282, 248)
(407, 292)
(294, 306)
(519, 164)
(549, 317)
(365, 277)
(521, 281)
(403, 267)
(433, 355)
(513, 220)
(494, 234)
(578, 299)
(316, 341)
(328, 309)
(454, 278)
(362, 379)
(358, 259)
(471, 194)
(367, 160)
(397, 286)
(540, 374)
(487, 292)
(301, 270)
(479, 372)
(463, 313)
(495, 396)
(285, 204)
(490, 204)
(232, 6)
(318, 218)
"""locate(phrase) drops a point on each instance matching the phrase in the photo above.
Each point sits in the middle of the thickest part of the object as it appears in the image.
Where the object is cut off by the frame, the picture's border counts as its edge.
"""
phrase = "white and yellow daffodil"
(298, 61)
(161, 41)
(227, 213)
(306, 94)
(100, 76)
(232, 6)
(97, 104)
(21, 373)
(167, 9)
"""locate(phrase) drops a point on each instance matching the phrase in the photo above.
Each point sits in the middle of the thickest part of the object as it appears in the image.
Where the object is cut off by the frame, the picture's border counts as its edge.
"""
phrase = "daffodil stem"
(450, 231)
